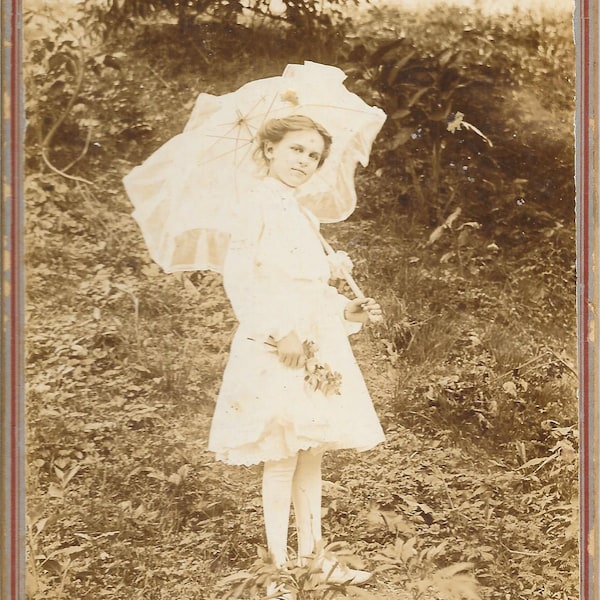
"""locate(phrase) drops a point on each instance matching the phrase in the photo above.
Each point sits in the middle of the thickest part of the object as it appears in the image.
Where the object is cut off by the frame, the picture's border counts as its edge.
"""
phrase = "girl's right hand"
(290, 351)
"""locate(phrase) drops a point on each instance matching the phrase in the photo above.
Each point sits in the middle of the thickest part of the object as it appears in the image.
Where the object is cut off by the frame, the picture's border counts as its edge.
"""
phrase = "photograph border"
(585, 28)
(12, 369)
(12, 337)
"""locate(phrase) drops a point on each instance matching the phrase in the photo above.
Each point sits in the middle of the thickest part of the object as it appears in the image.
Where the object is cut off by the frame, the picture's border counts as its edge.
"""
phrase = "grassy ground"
(471, 373)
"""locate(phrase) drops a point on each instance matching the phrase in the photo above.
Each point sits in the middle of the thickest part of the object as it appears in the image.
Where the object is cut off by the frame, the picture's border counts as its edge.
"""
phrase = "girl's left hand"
(361, 310)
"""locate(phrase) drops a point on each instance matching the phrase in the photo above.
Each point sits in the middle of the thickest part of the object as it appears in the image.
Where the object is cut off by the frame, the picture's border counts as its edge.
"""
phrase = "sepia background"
(464, 232)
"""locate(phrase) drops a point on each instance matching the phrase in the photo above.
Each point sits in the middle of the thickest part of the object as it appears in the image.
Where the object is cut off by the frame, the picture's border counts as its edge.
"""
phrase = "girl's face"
(295, 158)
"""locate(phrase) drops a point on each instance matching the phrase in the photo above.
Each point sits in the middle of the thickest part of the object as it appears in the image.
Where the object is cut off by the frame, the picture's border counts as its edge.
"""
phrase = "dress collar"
(281, 189)
(288, 195)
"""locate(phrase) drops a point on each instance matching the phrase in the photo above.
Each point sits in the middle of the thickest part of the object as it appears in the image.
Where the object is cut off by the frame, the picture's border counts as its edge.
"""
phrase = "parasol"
(184, 194)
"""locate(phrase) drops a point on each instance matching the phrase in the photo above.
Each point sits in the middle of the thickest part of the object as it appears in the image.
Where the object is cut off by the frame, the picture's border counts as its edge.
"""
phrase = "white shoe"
(278, 591)
(337, 574)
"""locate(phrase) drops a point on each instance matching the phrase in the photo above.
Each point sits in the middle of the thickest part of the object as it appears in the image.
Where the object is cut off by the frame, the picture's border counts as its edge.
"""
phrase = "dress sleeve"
(258, 301)
(350, 326)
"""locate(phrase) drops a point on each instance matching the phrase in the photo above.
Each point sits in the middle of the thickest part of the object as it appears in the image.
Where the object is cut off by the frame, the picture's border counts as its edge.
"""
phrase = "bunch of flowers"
(320, 376)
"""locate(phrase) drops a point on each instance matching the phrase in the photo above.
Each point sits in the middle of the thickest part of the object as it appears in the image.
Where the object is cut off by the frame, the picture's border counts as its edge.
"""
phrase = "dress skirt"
(267, 411)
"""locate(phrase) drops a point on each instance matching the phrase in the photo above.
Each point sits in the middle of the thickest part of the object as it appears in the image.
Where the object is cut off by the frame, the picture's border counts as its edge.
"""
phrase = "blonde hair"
(274, 130)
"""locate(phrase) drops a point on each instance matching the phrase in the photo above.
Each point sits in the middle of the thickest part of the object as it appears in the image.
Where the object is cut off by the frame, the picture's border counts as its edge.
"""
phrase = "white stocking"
(277, 496)
(306, 494)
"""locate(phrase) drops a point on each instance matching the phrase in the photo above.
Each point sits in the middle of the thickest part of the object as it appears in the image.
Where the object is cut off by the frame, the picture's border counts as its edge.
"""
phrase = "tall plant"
(418, 91)
(61, 50)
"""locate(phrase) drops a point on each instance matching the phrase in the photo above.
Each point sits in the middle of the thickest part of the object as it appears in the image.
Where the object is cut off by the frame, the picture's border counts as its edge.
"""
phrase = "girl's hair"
(275, 129)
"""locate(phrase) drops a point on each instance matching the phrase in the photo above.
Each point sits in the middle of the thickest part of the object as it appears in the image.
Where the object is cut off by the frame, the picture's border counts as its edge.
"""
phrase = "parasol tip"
(290, 96)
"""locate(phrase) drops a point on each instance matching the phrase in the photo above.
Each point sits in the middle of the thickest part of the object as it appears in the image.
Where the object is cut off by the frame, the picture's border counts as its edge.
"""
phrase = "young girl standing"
(273, 407)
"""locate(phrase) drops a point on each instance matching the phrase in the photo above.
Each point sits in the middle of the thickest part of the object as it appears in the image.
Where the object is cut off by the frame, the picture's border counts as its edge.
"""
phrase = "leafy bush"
(308, 16)
(75, 104)
(459, 130)
(124, 13)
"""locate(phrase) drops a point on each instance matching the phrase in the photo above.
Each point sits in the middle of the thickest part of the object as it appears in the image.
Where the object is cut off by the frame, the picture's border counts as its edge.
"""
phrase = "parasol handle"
(349, 279)
(353, 285)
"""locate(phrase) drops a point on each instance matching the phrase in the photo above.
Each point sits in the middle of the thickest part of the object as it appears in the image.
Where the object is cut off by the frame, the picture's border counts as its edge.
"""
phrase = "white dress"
(276, 277)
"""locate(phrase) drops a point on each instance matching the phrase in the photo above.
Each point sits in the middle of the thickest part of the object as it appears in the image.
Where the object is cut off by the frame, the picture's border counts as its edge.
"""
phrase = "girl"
(291, 389)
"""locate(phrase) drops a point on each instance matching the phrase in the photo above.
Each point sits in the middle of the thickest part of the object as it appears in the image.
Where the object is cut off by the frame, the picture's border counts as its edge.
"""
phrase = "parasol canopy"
(185, 193)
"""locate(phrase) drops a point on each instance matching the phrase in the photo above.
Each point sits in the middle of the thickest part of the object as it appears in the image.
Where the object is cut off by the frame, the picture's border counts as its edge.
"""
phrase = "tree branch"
(266, 14)
(83, 152)
(75, 95)
(62, 173)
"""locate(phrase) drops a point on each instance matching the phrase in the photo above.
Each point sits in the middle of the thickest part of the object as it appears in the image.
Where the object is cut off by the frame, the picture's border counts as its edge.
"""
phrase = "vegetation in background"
(464, 232)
